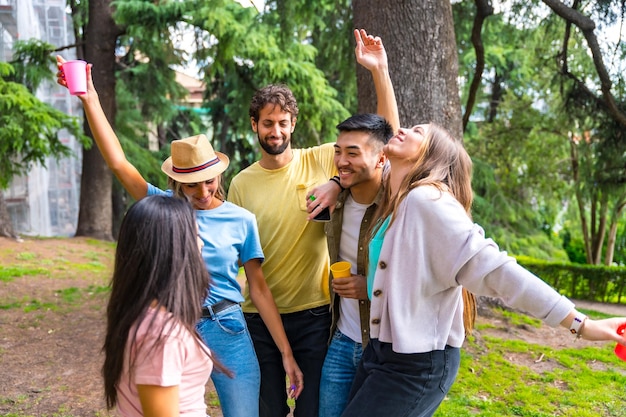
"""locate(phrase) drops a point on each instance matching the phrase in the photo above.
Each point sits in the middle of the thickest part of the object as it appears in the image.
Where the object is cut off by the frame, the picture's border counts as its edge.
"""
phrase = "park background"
(535, 89)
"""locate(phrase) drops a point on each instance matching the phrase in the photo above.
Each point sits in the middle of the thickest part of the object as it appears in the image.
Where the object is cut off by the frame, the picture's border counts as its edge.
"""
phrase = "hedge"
(580, 281)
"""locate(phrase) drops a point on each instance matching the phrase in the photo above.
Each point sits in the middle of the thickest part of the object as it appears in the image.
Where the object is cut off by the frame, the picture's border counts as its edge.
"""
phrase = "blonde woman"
(424, 250)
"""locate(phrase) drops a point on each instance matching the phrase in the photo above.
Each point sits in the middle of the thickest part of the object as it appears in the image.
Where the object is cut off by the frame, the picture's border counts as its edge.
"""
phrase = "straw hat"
(194, 160)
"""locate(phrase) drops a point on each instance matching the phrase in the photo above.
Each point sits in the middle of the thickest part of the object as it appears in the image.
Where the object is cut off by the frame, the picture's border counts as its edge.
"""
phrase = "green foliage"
(580, 281)
(599, 152)
(241, 51)
(133, 131)
(188, 122)
(326, 25)
(517, 145)
(28, 129)
(620, 245)
(517, 135)
(237, 50)
(516, 226)
(32, 61)
(526, 109)
(574, 247)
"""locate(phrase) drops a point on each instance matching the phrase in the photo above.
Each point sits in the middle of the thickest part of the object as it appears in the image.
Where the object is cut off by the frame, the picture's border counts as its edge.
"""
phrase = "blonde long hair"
(442, 162)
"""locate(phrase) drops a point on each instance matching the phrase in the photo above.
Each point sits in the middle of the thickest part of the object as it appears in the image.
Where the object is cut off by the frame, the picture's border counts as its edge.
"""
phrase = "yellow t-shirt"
(296, 254)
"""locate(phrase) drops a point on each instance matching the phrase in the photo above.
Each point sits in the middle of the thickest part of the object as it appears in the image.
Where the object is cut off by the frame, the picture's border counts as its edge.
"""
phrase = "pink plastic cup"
(75, 76)
(620, 350)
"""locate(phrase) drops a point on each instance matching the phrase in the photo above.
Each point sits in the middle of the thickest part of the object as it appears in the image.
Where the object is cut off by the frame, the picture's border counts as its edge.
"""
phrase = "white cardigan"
(429, 251)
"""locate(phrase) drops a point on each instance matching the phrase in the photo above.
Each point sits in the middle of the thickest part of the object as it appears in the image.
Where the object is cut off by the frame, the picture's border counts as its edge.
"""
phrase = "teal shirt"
(375, 246)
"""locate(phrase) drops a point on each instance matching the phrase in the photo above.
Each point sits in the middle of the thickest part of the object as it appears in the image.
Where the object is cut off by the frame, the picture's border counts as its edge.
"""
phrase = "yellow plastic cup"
(341, 269)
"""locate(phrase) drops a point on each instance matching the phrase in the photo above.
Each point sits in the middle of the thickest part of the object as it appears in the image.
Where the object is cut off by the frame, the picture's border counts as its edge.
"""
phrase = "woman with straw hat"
(230, 237)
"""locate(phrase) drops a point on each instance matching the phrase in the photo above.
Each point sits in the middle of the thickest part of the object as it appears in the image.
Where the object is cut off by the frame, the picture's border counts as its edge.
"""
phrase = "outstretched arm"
(599, 330)
(371, 54)
(106, 139)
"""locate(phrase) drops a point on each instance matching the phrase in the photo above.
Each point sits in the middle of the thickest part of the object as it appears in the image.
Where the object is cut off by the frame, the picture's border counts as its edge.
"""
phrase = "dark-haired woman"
(155, 363)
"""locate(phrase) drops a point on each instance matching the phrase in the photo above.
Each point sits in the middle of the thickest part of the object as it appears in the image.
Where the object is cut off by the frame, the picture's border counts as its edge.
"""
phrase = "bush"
(580, 281)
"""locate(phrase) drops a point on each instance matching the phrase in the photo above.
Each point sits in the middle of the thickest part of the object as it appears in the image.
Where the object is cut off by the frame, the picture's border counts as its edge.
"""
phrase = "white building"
(45, 202)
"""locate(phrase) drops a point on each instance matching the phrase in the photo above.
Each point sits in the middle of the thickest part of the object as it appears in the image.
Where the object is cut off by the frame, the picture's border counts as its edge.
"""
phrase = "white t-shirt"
(349, 318)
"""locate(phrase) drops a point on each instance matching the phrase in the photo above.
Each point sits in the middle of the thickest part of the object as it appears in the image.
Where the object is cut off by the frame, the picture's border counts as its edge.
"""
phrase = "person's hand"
(354, 286)
(603, 330)
(91, 90)
(324, 196)
(369, 50)
(296, 378)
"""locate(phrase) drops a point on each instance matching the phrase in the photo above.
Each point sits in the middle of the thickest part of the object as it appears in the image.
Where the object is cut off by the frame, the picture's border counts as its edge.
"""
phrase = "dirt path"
(53, 296)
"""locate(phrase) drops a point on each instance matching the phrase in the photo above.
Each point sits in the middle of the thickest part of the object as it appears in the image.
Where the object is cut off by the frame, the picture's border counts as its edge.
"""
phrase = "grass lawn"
(494, 380)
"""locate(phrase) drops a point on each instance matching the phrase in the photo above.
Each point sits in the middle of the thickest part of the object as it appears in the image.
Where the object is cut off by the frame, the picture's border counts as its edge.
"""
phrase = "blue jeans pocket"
(232, 322)
(451, 363)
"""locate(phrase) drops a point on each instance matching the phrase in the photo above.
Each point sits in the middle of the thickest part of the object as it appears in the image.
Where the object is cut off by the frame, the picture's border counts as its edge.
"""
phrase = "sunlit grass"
(576, 382)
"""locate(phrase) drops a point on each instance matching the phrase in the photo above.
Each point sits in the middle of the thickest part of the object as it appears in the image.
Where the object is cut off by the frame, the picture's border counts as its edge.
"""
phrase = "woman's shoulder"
(427, 195)
(156, 322)
(154, 190)
(237, 211)
(427, 192)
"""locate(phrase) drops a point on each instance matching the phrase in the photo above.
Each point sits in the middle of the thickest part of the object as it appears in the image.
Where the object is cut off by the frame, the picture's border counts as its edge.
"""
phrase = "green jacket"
(333, 235)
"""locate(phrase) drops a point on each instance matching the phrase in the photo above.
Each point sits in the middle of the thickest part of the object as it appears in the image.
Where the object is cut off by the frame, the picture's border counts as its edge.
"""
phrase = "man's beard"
(273, 150)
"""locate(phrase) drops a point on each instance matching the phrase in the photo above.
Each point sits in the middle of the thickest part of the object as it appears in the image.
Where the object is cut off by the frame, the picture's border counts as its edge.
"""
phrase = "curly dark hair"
(276, 94)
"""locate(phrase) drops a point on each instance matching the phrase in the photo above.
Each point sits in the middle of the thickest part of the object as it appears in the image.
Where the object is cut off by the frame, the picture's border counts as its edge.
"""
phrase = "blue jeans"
(228, 338)
(340, 365)
(397, 384)
(308, 332)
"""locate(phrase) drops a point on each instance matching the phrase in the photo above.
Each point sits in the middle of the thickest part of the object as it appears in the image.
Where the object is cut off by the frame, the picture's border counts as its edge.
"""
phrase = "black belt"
(217, 307)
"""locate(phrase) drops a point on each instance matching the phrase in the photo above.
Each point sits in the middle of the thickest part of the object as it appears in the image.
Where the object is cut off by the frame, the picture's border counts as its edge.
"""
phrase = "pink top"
(179, 360)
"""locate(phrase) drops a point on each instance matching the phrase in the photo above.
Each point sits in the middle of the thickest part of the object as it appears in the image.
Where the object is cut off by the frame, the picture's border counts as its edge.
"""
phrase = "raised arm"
(106, 139)
(371, 54)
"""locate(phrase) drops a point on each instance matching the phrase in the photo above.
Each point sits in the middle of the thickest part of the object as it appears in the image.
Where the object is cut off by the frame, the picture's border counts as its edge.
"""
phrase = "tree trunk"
(598, 212)
(580, 201)
(419, 38)
(6, 226)
(610, 243)
(95, 214)
(496, 97)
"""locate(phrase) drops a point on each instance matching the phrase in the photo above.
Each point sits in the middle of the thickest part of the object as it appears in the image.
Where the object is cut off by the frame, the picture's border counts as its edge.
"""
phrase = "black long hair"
(158, 264)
